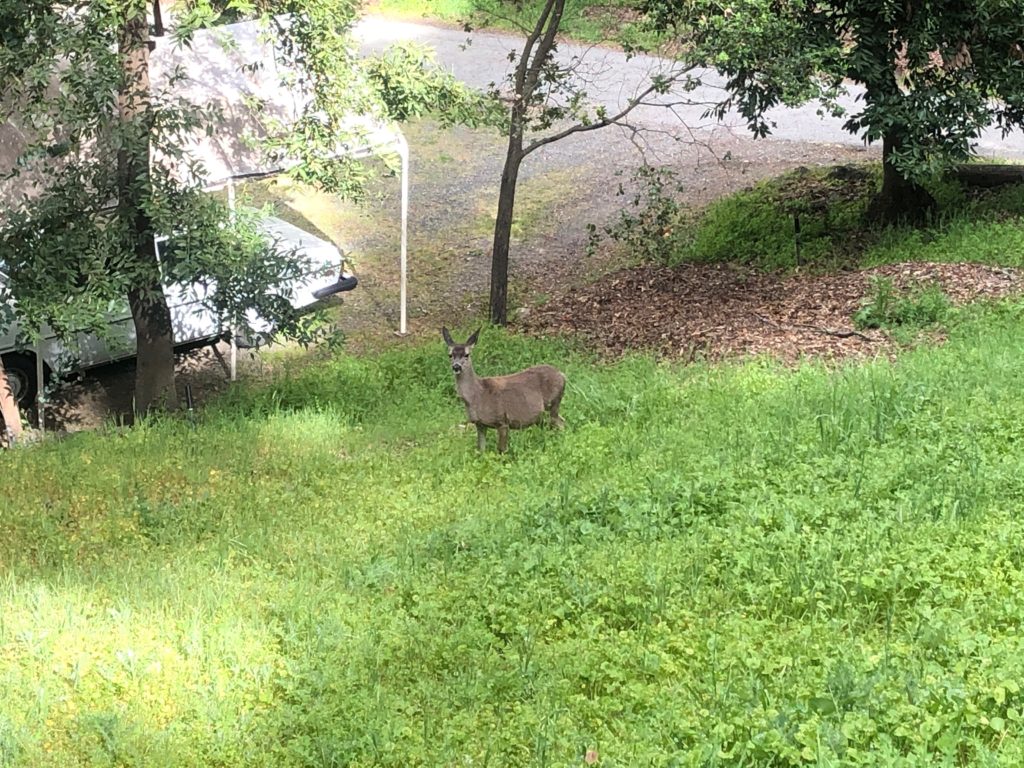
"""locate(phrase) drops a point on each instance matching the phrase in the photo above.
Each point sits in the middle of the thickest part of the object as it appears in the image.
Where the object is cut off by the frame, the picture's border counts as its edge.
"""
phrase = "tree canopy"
(104, 160)
(935, 72)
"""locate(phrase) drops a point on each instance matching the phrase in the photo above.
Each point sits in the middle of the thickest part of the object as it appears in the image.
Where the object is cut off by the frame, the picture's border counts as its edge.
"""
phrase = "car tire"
(21, 376)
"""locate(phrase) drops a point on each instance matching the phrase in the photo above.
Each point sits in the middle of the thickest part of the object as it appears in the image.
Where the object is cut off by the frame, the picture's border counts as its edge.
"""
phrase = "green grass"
(738, 565)
(757, 226)
(918, 307)
(590, 21)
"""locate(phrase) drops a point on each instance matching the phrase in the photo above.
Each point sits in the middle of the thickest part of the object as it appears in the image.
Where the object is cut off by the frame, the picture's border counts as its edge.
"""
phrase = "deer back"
(518, 399)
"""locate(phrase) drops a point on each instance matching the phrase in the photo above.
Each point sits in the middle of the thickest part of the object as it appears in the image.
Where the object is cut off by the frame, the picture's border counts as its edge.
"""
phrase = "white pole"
(232, 332)
(403, 149)
(40, 384)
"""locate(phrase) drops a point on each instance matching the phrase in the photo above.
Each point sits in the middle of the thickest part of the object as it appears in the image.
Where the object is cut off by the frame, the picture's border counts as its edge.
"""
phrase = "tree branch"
(635, 102)
(531, 40)
(552, 8)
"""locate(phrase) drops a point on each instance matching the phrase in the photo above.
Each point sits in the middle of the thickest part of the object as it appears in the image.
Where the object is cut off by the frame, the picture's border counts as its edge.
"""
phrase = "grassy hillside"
(757, 226)
(744, 565)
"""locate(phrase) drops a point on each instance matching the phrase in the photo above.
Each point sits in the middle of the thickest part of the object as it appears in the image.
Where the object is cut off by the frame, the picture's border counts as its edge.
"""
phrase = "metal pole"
(233, 331)
(40, 385)
(403, 149)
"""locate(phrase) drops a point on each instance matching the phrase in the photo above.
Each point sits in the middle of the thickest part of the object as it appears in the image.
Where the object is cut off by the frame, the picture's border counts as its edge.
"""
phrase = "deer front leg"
(481, 438)
(503, 438)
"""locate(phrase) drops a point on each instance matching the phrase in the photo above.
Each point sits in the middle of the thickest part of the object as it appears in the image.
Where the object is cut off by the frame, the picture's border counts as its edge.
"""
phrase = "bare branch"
(636, 101)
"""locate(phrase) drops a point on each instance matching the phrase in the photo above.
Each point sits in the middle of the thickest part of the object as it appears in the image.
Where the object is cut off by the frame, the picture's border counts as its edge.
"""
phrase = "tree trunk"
(503, 225)
(154, 372)
(900, 200)
(154, 363)
(10, 417)
(529, 71)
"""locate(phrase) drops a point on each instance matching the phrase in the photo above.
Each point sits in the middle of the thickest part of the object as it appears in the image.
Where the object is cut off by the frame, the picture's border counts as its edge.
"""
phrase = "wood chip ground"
(717, 311)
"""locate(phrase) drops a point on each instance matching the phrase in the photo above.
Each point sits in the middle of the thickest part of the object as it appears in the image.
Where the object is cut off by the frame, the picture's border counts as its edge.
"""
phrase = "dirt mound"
(717, 311)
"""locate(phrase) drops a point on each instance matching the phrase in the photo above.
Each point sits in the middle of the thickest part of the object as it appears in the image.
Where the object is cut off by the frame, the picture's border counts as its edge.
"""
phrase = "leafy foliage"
(649, 227)
(411, 86)
(69, 252)
(935, 72)
(886, 307)
(756, 226)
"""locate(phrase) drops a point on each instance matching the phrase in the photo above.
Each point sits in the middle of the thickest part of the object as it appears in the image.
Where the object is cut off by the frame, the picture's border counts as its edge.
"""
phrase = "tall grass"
(743, 565)
(757, 226)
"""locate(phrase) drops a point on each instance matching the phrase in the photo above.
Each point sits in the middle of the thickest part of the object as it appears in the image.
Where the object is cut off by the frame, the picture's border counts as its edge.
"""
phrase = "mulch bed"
(717, 311)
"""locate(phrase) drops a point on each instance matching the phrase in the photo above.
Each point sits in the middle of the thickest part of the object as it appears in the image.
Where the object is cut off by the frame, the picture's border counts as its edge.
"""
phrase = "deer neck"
(467, 383)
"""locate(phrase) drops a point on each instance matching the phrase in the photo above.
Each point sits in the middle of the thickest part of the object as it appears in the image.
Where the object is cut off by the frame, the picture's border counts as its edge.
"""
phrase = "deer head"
(459, 353)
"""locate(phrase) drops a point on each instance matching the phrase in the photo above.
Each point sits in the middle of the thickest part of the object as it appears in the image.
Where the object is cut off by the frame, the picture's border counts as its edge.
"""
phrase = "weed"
(918, 307)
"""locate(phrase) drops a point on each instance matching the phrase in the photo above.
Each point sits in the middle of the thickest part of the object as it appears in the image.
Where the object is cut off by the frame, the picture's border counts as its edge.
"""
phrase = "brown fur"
(505, 402)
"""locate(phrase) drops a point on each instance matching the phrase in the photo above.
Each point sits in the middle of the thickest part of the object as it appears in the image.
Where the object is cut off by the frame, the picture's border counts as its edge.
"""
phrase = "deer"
(504, 402)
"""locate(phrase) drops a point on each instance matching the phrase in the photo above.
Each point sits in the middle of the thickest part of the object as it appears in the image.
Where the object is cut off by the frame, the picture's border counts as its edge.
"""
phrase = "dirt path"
(563, 188)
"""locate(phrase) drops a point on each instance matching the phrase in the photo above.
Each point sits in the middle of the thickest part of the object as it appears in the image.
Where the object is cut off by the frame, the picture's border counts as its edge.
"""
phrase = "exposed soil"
(104, 395)
(717, 311)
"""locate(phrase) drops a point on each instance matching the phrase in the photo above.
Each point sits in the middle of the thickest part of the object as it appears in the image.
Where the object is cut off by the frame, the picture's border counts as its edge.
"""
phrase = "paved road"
(614, 79)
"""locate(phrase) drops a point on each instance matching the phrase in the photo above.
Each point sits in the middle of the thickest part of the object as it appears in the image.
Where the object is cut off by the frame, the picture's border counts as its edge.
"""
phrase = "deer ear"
(472, 339)
(447, 337)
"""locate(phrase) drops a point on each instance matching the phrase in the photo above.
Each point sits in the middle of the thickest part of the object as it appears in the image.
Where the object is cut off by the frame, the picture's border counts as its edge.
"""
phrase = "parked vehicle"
(194, 323)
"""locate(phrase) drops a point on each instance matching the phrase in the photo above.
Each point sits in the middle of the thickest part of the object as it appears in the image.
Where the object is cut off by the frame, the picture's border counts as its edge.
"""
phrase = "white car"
(194, 324)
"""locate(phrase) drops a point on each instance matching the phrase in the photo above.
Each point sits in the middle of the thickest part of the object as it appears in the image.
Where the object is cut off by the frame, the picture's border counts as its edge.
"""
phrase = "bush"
(916, 308)
(757, 226)
(649, 227)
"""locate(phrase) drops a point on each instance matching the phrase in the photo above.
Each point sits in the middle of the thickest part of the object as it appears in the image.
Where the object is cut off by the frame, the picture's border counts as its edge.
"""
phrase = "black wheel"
(21, 377)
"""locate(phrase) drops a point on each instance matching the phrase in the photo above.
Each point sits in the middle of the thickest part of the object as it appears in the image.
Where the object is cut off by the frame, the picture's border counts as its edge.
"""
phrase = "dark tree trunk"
(900, 200)
(10, 417)
(154, 363)
(537, 48)
(503, 223)
(154, 377)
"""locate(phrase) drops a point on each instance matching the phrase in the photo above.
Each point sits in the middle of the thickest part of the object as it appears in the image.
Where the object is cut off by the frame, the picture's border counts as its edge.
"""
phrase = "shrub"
(918, 307)
(650, 225)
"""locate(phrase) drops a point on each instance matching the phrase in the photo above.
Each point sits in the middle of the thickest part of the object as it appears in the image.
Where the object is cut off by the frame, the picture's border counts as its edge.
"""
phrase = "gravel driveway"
(613, 77)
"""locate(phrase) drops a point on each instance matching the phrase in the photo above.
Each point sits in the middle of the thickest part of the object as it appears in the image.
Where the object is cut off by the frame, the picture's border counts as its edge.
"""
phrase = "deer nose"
(457, 367)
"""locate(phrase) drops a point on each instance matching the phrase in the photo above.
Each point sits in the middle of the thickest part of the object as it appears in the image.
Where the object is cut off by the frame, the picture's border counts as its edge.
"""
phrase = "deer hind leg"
(503, 438)
(481, 438)
(557, 422)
